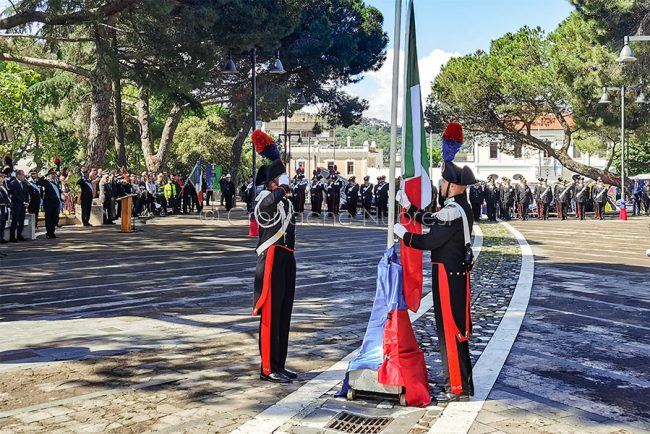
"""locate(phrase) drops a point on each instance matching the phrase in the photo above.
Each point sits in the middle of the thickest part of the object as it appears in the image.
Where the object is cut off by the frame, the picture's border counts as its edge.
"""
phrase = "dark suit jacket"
(19, 193)
(51, 196)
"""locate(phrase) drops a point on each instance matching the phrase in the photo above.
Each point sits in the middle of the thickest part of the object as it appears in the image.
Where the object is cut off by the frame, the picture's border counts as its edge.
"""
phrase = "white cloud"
(376, 87)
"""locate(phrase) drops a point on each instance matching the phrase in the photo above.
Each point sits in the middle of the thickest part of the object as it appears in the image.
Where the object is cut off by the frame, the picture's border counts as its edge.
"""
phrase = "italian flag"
(415, 163)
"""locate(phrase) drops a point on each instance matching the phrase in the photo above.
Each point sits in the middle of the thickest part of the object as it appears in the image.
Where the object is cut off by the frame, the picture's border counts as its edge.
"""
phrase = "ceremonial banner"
(415, 163)
(209, 173)
(196, 178)
(216, 176)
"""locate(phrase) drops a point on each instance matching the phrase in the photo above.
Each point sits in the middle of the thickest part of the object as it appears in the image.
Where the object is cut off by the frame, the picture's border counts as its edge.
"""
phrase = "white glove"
(399, 230)
(402, 199)
(283, 180)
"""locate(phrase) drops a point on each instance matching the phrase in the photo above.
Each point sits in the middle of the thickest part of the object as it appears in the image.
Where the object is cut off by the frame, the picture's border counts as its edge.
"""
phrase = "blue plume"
(271, 152)
(449, 149)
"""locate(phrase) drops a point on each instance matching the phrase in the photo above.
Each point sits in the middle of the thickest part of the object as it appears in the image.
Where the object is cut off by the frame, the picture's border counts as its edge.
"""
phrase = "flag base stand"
(364, 382)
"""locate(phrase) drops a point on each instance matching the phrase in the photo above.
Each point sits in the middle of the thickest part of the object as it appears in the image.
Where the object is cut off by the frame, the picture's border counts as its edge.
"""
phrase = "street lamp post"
(626, 55)
(275, 68)
(604, 99)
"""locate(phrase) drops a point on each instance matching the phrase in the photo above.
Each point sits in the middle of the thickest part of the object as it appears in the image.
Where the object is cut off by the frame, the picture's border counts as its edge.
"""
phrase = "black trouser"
(524, 210)
(317, 203)
(646, 205)
(4, 215)
(476, 210)
(545, 207)
(208, 197)
(86, 206)
(51, 219)
(367, 206)
(458, 299)
(17, 222)
(581, 209)
(564, 206)
(229, 201)
(382, 209)
(283, 288)
(352, 205)
(336, 202)
(108, 212)
(187, 203)
(600, 210)
(491, 211)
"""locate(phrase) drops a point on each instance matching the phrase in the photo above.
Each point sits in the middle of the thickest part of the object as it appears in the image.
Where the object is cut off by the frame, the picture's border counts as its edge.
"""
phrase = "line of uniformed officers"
(508, 199)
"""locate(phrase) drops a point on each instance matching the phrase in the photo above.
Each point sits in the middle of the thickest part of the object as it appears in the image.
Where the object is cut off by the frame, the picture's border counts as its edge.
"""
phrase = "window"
(494, 151)
(518, 150)
(330, 165)
(349, 167)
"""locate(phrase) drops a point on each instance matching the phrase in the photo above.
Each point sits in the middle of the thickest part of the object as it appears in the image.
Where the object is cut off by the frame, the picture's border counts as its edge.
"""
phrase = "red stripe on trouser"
(264, 302)
(452, 334)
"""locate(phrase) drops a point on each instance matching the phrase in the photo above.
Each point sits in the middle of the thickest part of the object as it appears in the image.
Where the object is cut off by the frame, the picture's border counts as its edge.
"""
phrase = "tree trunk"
(146, 136)
(237, 146)
(565, 160)
(118, 121)
(100, 119)
(167, 138)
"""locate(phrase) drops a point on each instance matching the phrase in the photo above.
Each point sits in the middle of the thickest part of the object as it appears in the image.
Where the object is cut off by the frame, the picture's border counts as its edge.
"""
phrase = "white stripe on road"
(458, 417)
(281, 412)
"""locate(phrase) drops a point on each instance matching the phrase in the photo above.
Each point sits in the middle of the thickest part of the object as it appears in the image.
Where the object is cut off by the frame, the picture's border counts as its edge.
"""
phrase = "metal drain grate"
(355, 423)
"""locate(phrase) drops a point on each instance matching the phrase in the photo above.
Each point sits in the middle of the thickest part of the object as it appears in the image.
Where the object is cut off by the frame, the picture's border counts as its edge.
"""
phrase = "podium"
(125, 216)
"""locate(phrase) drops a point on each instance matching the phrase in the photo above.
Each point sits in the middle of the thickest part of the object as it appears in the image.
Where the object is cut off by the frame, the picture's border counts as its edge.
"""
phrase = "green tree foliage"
(201, 137)
(527, 75)
(24, 94)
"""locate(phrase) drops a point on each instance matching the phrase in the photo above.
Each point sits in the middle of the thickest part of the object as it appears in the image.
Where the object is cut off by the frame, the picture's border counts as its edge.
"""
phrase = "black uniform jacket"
(446, 239)
(268, 208)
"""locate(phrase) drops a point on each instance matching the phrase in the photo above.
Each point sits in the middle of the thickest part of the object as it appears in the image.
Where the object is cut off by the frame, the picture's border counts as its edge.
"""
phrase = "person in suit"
(637, 193)
(228, 193)
(86, 188)
(5, 203)
(34, 196)
(19, 201)
(52, 203)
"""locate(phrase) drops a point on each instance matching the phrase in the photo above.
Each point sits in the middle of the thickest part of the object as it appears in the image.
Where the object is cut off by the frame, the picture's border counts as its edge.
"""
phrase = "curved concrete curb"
(458, 417)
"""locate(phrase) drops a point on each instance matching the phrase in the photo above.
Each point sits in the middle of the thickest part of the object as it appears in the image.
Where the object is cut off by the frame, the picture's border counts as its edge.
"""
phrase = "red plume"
(453, 132)
(261, 140)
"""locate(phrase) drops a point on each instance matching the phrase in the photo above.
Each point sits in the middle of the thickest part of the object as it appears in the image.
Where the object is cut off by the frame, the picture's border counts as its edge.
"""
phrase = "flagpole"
(393, 122)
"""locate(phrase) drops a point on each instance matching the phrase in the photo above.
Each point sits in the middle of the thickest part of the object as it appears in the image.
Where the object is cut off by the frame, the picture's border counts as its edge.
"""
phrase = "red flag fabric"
(404, 363)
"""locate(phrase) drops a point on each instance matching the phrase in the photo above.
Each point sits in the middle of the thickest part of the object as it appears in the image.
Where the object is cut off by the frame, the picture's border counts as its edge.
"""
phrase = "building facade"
(311, 144)
(485, 157)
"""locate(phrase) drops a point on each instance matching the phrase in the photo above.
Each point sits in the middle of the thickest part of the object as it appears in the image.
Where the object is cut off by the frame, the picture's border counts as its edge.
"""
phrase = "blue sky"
(447, 28)
(468, 25)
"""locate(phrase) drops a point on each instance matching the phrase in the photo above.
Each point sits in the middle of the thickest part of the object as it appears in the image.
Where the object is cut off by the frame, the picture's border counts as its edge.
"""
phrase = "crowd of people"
(55, 192)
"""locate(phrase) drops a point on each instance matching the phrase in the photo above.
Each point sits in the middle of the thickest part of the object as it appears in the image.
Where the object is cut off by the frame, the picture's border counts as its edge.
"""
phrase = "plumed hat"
(452, 140)
(275, 169)
(260, 177)
(265, 145)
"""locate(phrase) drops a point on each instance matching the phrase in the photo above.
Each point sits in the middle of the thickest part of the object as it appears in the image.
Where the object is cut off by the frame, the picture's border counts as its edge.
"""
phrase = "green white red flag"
(415, 164)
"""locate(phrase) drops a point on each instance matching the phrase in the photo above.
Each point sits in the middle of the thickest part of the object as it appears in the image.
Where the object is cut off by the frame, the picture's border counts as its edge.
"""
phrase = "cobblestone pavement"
(493, 281)
(580, 362)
